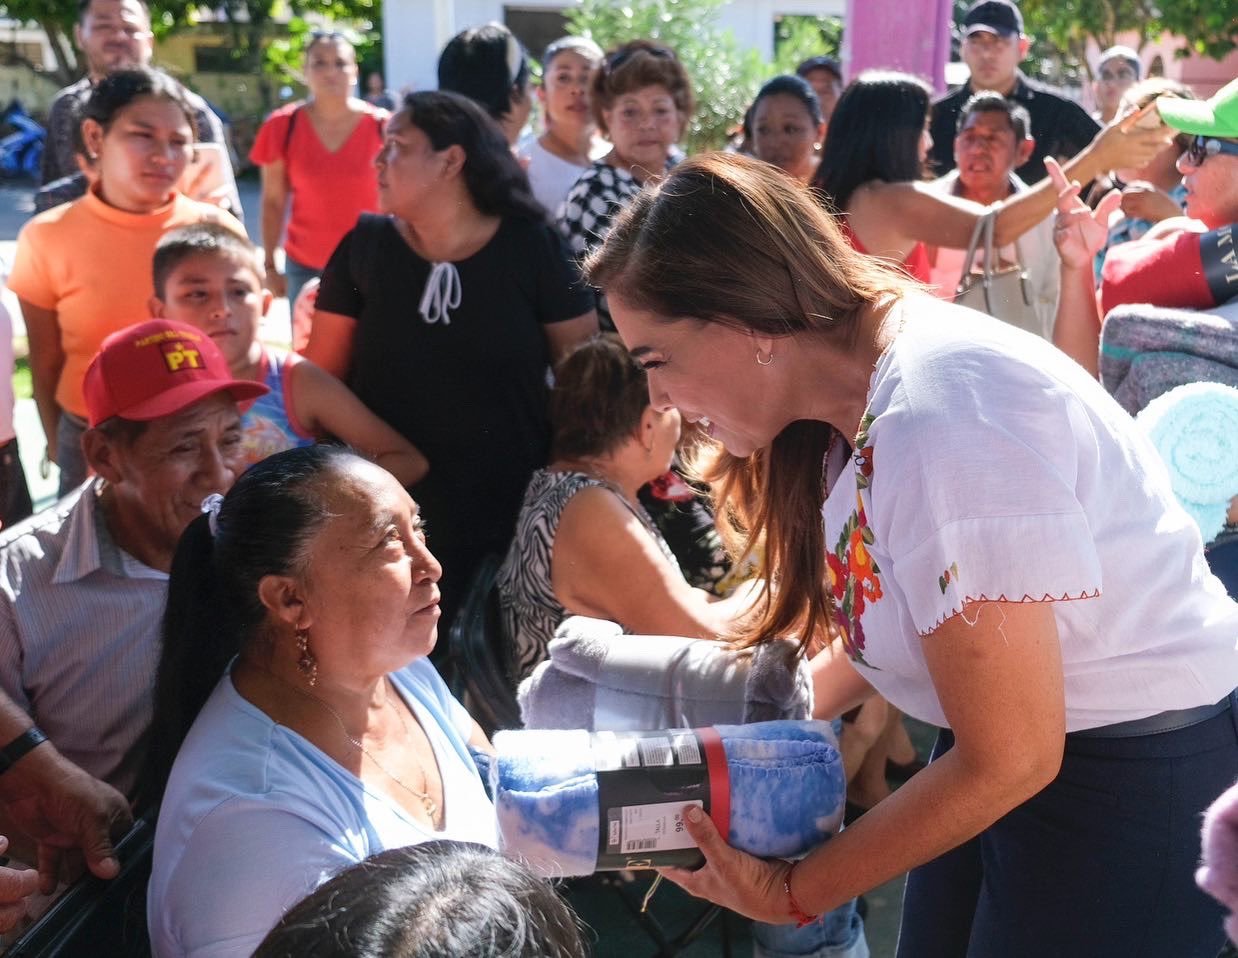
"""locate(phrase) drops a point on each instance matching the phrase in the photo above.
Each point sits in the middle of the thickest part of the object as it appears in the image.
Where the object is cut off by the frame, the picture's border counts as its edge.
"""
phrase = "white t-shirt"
(255, 817)
(991, 466)
(551, 176)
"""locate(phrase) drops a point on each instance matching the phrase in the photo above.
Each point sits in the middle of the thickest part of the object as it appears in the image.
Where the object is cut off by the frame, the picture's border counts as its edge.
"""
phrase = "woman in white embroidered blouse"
(1001, 555)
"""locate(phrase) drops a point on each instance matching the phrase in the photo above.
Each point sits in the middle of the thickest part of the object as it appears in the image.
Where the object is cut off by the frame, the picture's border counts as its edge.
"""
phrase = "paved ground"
(603, 908)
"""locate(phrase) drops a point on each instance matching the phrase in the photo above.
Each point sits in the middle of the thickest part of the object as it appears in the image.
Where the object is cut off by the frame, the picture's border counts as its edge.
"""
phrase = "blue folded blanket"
(787, 789)
(1195, 429)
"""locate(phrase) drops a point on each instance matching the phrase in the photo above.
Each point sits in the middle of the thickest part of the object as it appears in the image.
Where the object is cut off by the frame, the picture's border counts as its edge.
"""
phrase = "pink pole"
(897, 35)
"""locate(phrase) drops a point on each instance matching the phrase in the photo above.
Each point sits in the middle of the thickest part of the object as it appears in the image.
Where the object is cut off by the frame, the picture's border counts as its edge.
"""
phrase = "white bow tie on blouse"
(442, 293)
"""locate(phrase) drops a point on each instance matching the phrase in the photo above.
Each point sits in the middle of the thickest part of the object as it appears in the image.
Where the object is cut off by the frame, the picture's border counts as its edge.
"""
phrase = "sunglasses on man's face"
(1203, 147)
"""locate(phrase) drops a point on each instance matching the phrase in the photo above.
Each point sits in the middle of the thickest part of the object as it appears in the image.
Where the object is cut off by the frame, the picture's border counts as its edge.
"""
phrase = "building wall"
(35, 90)
(237, 94)
(31, 40)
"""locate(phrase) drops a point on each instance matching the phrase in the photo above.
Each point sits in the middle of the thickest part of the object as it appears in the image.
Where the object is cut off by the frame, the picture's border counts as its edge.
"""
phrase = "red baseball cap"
(157, 369)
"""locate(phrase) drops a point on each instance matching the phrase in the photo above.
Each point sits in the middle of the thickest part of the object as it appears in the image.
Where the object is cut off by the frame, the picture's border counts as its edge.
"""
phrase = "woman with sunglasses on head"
(641, 100)
(569, 143)
(315, 158)
(489, 65)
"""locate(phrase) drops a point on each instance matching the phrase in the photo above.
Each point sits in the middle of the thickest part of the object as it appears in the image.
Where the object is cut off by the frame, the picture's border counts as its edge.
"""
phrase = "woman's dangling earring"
(306, 663)
(767, 361)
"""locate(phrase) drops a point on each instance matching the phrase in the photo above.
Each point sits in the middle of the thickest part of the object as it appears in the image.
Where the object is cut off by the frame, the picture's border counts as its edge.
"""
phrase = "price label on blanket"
(645, 781)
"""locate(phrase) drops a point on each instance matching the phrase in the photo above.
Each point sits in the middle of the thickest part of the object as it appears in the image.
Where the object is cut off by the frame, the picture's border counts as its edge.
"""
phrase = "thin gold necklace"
(572, 154)
(429, 804)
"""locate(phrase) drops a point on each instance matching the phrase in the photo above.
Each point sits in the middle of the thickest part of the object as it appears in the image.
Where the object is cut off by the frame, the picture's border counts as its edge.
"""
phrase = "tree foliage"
(56, 18)
(249, 23)
(1210, 27)
(724, 77)
(798, 37)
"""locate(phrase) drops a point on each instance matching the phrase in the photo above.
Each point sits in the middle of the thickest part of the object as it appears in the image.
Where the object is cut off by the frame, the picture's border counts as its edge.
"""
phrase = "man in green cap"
(1182, 263)
(1188, 262)
(1209, 166)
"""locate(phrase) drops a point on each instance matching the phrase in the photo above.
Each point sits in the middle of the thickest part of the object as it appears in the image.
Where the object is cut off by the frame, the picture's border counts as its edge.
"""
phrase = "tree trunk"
(67, 69)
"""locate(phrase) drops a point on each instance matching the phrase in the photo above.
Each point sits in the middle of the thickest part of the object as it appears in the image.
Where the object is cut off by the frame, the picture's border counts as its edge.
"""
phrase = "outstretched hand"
(62, 807)
(1080, 232)
(1133, 139)
(733, 879)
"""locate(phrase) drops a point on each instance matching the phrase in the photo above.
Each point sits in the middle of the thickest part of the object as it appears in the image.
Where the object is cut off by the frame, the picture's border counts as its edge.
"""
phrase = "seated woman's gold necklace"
(430, 805)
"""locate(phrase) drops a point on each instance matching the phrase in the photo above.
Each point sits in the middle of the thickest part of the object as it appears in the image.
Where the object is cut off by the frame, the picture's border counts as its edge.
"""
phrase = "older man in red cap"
(82, 586)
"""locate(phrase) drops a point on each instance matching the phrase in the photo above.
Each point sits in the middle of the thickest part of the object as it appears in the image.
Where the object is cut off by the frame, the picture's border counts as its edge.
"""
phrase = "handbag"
(1000, 289)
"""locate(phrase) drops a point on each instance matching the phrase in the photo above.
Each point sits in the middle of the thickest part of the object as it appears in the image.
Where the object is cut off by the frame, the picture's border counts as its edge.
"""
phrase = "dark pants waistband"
(1170, 721)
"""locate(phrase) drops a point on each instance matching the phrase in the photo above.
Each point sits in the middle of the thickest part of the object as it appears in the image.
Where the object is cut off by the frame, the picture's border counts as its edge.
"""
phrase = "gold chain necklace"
(427, 802)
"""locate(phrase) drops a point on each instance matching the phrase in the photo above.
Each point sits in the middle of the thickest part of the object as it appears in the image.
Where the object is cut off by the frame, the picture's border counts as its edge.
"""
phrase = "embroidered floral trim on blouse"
(854, 577)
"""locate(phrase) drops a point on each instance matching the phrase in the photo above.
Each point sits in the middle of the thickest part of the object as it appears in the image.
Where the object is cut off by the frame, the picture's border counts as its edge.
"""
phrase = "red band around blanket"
(719, 779)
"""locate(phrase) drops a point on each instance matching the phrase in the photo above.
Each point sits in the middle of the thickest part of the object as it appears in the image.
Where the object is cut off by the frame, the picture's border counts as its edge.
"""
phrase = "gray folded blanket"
(597, 677)
(1146, 350)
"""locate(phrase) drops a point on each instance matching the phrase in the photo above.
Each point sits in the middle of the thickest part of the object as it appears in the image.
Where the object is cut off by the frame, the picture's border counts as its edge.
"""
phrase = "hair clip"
(211, 506)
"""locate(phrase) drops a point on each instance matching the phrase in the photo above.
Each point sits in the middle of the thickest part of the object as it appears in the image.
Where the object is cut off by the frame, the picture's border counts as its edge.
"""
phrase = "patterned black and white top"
(591, 206)
(531, 611)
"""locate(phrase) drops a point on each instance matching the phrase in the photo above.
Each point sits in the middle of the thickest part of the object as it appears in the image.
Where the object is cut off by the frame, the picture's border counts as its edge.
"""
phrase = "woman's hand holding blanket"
(733, 879)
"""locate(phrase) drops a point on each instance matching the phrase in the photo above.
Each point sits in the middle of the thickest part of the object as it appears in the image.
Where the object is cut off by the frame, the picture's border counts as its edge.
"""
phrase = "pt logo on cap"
(181, 356)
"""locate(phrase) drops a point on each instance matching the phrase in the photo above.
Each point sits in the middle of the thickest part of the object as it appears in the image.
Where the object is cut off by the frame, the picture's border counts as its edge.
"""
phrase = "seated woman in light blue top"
(330, 736)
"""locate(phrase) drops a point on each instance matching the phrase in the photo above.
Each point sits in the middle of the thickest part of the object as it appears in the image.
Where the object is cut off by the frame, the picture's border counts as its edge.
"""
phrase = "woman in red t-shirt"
(320, 153)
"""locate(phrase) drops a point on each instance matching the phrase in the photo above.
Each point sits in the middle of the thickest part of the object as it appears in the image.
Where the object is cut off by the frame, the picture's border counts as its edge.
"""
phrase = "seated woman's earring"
(767, 361)
(306, 663)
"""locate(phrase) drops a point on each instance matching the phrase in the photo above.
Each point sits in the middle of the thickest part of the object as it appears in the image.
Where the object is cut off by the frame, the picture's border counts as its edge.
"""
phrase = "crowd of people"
(732, 397)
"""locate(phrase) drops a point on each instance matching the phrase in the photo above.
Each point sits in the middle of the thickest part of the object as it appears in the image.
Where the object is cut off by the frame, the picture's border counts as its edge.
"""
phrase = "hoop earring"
(767, 362)
(307, 665)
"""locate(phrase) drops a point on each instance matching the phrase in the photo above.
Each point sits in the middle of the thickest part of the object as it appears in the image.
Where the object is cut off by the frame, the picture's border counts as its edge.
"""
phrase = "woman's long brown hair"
(729, 240)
